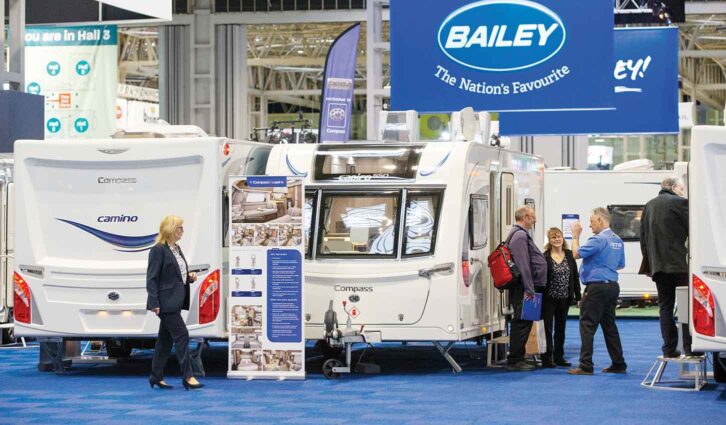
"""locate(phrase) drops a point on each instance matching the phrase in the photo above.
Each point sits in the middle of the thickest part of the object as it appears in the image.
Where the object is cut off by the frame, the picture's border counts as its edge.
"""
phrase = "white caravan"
(88, 211)
(401, 233)
(624, 194)
(707, 215)
(6, 247)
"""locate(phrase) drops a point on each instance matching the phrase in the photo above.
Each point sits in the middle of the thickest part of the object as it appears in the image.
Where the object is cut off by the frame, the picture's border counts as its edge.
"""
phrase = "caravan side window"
(478, 219)
(309, 209)
(422, 217)
(625, 221)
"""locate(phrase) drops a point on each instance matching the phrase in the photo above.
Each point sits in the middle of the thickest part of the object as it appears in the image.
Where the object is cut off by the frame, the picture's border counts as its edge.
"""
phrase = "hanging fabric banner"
(338, 87)
(76, 69)
(644, 81)
(266, 278)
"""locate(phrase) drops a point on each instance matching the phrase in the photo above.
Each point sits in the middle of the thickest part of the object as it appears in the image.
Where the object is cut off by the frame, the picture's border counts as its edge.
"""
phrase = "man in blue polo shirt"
(602, 256)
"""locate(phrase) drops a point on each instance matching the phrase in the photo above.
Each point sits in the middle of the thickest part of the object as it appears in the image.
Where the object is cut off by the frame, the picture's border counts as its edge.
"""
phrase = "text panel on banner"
(338, 87)
(497, 55)
(76, 69)
(644, 79)
(266, 278)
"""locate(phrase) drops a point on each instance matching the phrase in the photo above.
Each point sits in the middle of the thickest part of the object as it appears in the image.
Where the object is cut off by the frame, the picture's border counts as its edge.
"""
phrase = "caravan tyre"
(719, 368)
(328, 368)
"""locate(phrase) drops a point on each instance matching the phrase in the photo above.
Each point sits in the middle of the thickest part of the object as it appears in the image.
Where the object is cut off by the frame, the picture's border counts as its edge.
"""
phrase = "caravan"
(87, 213)
(624, 193)
(707, 215)
(400, 232)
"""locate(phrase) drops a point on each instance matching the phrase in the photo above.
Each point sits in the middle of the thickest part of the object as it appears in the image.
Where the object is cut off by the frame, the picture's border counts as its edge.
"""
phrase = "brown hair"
(550, 234)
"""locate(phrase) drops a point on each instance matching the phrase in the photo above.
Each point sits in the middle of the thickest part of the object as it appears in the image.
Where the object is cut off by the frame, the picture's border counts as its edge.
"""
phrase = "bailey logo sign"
(500, 55)
(502, 35)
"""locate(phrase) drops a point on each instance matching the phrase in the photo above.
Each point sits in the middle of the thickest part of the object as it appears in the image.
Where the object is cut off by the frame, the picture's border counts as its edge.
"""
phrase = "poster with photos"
(266, 278)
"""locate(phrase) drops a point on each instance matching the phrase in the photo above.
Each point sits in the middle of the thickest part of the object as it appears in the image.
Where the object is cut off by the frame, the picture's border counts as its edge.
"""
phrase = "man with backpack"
(533, 269)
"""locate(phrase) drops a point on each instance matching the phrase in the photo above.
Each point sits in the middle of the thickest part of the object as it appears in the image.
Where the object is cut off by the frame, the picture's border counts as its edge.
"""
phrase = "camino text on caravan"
(514, 87)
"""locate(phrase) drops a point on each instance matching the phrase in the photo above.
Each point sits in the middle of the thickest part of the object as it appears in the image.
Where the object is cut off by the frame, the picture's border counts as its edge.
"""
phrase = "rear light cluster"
(209, 298)
(465, 272)
(703, 308)
(22, 299)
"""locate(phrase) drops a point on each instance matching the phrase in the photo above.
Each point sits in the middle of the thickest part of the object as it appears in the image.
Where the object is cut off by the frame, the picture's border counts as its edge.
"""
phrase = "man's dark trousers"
(667, 284)
(598, 308)
(519, 329)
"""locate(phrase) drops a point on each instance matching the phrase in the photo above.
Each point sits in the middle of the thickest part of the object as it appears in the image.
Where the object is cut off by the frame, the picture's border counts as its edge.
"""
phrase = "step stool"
(493, 359)
(697, 378)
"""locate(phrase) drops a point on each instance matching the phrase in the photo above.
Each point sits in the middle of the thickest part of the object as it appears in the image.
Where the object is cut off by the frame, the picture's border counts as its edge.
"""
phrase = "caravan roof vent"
(638, 164)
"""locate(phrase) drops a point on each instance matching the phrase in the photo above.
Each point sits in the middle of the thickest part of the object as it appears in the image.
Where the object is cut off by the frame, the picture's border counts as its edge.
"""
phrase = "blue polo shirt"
(602, 256)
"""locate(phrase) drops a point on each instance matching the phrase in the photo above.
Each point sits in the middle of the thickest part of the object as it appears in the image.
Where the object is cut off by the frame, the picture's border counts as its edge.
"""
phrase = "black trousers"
(667, 284)
(171, 329)
(554, 314)
(519, 329)
(598, 308)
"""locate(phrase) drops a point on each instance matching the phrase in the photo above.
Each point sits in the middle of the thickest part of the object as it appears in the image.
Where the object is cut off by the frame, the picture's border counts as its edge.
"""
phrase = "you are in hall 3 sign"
(499, 55)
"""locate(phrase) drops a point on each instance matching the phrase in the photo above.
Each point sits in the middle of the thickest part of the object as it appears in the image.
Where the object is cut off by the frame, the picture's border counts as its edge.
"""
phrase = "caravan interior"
(401, 232)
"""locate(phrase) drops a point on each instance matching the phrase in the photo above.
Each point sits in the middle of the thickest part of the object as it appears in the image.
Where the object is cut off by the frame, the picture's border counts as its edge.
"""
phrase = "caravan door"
(87, 212)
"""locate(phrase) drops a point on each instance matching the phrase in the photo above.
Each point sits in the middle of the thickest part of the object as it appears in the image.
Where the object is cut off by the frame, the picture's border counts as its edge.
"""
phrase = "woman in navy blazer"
(167, 285)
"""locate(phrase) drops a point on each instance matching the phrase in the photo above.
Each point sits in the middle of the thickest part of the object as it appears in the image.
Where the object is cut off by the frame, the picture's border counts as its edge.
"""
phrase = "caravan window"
(308, 215)
(362, 224)
(478, 219)
(625, 221)
(422, 217)
(367, 163)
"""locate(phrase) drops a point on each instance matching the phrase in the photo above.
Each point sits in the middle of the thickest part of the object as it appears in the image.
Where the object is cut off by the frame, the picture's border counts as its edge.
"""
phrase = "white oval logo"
(502, 35)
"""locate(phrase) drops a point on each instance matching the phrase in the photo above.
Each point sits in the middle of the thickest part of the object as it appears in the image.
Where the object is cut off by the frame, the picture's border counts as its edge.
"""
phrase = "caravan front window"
(625, 221)
(422, 214)
(359, 224)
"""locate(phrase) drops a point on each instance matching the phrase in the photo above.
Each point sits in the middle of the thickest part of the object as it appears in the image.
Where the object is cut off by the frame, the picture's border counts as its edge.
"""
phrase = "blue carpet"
(416, 387)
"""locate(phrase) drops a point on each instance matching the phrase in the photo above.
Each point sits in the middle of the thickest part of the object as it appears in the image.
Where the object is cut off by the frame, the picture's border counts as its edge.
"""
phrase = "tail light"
(226, 149)
(465, 272)
(209, 298)
(22, 299)
(703, 308)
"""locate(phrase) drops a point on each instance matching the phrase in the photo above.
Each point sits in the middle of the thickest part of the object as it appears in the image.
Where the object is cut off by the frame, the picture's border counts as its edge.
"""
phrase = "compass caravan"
(87, 213)
(401, 233)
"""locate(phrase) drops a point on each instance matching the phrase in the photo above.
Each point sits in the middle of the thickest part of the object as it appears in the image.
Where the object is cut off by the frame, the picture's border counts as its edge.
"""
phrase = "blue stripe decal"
(292, 169)
(436, 168)
(129, 243)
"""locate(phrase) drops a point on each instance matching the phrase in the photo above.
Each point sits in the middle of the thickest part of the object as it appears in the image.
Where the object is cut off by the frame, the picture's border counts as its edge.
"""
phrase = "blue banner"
(267, 181)
(501, 55)
(644, 79)
(338, 86)
(284, 295)
(96, 35)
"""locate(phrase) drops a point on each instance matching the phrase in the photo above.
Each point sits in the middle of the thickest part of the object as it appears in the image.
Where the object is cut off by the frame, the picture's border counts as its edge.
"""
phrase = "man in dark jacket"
(533, 267)
(663, 234)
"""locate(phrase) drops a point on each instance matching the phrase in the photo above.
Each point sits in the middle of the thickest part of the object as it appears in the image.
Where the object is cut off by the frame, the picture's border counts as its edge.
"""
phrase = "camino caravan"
(87, 213)
(400, 232)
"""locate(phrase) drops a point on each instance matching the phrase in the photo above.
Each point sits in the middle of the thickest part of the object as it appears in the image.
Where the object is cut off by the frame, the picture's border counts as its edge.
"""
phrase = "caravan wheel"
(719, 368)
(328, 368)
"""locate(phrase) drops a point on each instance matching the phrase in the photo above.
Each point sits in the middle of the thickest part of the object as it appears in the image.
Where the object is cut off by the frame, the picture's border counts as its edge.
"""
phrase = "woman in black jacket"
(167, 286)
(563, 290)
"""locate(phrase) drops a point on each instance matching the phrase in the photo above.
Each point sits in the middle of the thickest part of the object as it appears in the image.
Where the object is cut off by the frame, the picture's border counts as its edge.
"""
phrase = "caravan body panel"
(707, 215)
(624, 194)
(87, 213)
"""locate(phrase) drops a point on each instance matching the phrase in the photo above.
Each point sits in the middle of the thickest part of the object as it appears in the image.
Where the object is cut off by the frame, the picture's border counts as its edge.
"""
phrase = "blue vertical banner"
(644, 81)
(501, 55)
(338, 86)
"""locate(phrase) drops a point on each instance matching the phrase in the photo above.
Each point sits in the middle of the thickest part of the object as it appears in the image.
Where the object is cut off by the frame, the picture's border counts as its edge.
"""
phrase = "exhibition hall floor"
(415, 387)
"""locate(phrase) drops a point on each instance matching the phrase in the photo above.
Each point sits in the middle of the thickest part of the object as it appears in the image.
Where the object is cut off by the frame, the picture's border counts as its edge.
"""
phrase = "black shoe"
(188, 386)
(161, 384)
(520, 366)
(548, 364)
(695, 353)
(615, 369)
(672, 355)
(563, 363)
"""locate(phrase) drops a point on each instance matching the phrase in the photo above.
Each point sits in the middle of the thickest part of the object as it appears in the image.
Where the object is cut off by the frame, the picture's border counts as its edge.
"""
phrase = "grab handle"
(446, 267)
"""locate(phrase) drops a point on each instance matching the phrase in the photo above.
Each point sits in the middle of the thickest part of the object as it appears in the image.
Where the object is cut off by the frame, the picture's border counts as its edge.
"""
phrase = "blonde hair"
(552, 233)
(167, 228)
